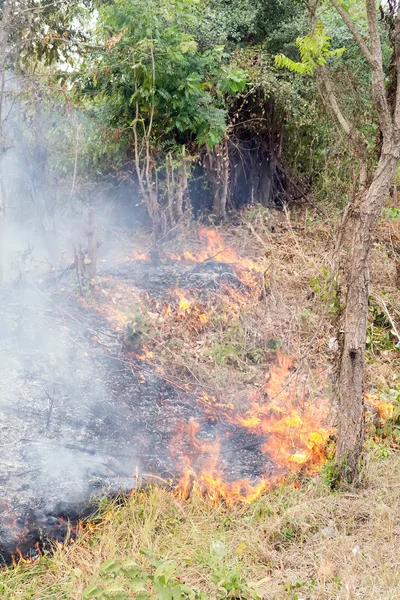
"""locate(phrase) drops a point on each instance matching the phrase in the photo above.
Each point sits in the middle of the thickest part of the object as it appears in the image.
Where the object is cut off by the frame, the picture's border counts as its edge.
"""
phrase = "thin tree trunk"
(357, 232)
(181, 186)
(92, 244)
(217, 164)
(2, 219)
(169, 170)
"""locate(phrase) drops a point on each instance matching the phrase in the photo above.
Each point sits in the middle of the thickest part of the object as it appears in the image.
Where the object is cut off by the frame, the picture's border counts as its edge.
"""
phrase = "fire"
(209, 481)
(213, 248)
(185, 301)
(385, 409)
(288, 430)
(295, 431)
(292, 430)
(136, 255)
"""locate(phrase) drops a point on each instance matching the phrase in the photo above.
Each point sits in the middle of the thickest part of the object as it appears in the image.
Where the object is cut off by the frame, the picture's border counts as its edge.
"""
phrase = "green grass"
(290, 544)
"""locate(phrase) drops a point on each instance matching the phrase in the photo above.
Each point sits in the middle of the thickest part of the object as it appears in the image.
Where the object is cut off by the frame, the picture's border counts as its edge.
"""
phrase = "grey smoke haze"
(60, 436)
(76, 417)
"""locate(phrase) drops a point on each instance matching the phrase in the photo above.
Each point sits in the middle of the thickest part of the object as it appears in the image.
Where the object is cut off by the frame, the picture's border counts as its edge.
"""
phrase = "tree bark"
(356, 236)
(217, 164)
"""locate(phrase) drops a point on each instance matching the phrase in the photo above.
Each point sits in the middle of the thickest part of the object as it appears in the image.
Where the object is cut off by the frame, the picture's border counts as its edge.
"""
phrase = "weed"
(379, 331)
(321, 285)
(391, 214)
(234, 348)
(226, 573)
(119, 580)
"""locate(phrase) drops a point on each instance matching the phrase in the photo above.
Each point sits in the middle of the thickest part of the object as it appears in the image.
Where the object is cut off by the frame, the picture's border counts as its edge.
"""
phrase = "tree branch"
(3, 47)
(359, 143)
(378, 83)
(333, 103)
(354, 32)
(397, 63)
(374, 59)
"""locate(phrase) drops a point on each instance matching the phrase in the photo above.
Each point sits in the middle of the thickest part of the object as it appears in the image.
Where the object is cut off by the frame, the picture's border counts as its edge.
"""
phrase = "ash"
(78, 418)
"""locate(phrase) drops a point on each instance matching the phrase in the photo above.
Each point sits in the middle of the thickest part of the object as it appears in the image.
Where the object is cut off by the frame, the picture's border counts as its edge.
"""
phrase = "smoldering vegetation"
(65, 431)
(78, 418)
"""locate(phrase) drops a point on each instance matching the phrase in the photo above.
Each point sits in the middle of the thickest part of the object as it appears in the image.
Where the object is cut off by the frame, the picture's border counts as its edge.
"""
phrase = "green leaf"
(164, 593)
(138, 586)
(110, 566)
(165, 570)
(130, 568)
(177, 592)
(92, 591)
(314, 49)
(115, 592)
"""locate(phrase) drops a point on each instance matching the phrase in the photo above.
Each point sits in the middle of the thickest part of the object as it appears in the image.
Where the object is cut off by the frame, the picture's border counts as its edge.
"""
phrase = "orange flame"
(385, 409)
(292, 428)
(213, 247)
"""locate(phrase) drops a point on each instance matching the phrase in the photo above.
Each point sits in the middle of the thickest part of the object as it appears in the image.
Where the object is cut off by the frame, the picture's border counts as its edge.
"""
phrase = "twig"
(254, 232)
(196, 268)
(381, 301)
(51, 404)
(293, 234)
(76, 159)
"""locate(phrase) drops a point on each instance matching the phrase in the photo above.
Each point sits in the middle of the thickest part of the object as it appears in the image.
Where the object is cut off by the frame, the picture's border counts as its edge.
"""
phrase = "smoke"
(64, 433)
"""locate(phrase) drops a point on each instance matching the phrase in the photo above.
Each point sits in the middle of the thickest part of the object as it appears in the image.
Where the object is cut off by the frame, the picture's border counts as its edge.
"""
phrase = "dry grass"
(305, 543)
(293, 544)
(284, 308)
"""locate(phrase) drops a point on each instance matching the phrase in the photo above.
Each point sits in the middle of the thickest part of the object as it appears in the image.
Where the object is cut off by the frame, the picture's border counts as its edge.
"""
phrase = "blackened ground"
(79, 418)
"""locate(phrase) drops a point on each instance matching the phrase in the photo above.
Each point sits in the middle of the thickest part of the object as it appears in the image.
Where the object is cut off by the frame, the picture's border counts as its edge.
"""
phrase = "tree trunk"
(356, 245)
(7, 6)
(217, 165)
(92, 245)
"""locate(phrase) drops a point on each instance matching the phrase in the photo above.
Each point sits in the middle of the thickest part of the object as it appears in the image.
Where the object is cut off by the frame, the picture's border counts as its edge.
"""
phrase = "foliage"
(46, 33)
(119, 580)
(213, 61)
(391, 214)
(247, 22)
(148, 69)
(322, 287)
(234, 348)
(227, 577)
(379, 331)
(314, 51)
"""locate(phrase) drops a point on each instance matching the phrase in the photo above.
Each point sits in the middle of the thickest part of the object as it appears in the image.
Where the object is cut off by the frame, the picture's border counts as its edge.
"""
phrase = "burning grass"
(221, 345)
(303, 542)
(226, 341)
(225, 337)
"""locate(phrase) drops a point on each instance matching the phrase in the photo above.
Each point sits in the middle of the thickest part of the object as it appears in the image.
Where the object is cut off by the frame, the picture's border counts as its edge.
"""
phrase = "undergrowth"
(301, 541)
(292, 543)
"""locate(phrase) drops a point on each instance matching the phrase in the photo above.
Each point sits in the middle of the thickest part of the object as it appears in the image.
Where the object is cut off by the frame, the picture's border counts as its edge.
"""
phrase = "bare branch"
(359, 143)
(378, 84)
(374, 59)
(354, 32)
(397, 62)
(333, 103)
(3, 46)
